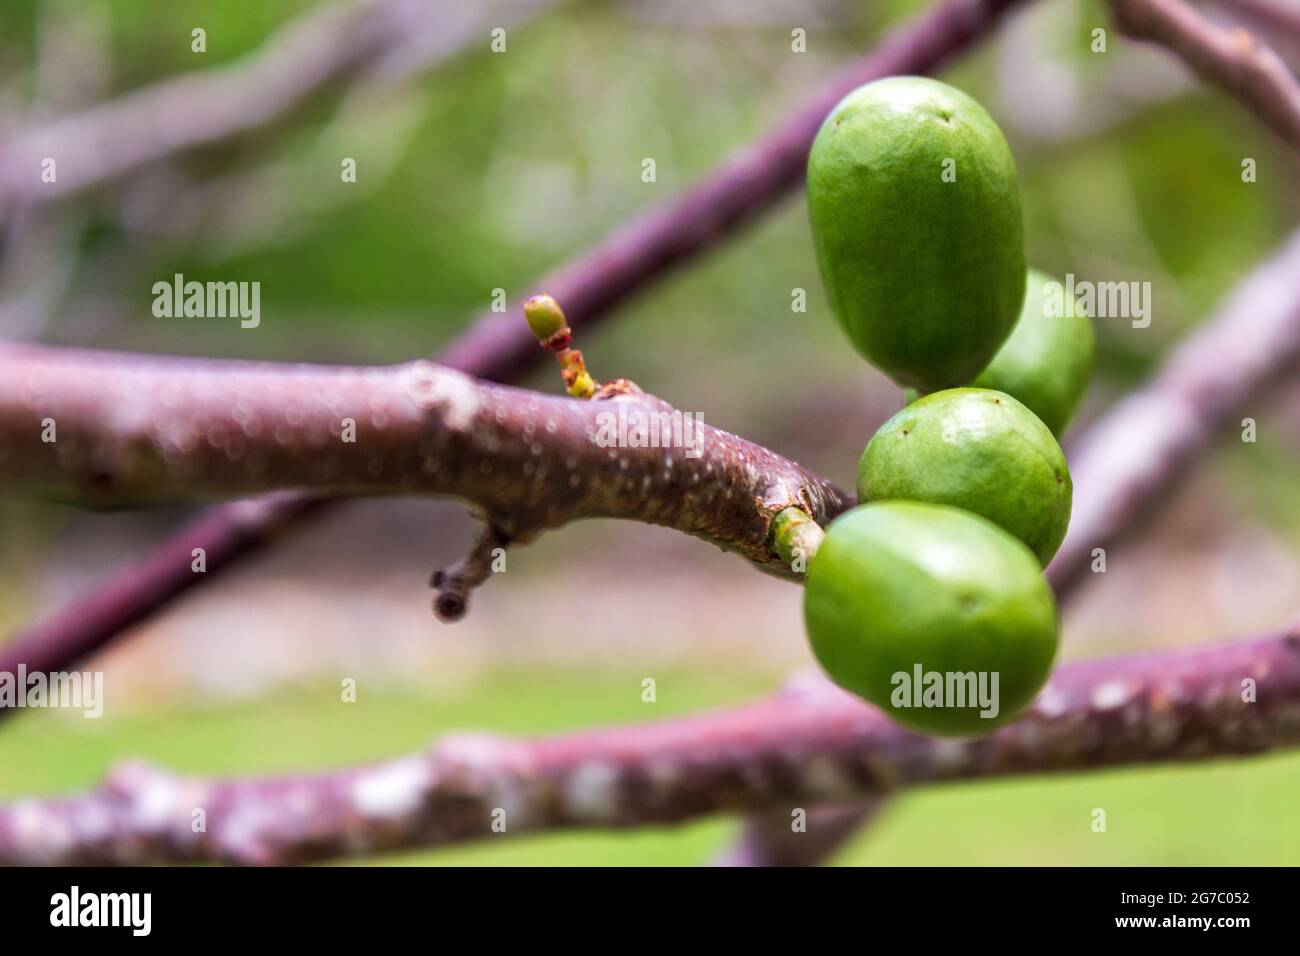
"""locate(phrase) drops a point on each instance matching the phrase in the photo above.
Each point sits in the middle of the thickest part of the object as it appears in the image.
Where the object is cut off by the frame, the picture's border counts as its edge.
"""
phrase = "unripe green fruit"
(976, 449)
(901, 585)
(1047, 360)
(915, 209)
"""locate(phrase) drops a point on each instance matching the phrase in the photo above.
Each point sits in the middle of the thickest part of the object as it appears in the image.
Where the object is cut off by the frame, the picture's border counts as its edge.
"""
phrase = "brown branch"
(591, 286)
(818, 748)
(770, 839)
(1228, 57)
(1129, 461)
(1281, 16)
(454, 584)
(130, 429)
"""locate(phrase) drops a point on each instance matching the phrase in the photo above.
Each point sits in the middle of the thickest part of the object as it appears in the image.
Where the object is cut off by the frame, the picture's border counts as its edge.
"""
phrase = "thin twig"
(1132, 458)
(323, 50)
(1282, 16)
(1227, 57)
(454, 584)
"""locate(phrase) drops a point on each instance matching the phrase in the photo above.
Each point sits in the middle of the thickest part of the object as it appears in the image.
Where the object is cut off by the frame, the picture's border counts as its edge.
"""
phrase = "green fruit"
(977, 449)
(902, 590)
(1047, 360)
(915, 211)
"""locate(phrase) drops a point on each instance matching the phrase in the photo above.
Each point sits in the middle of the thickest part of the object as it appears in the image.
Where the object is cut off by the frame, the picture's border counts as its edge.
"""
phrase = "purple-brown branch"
(1132, 458)
(109, 428)
(1282, 16)
(1227, 57)
(591, 287)
(794, 751)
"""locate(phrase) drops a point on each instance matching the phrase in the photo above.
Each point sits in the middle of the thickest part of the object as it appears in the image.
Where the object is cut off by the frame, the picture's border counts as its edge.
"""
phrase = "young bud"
(545, 317)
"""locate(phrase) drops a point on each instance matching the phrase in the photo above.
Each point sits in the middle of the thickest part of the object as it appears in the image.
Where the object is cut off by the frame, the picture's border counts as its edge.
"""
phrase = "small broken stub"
(454, 584)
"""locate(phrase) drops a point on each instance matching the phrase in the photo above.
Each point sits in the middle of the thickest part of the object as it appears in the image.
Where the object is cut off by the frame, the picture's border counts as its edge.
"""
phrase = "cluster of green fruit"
(937, 577)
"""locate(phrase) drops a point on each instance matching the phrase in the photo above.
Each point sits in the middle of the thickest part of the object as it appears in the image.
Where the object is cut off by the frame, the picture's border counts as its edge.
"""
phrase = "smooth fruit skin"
(900, 584)
(1048, 359)
(977, 449)
(926, 276)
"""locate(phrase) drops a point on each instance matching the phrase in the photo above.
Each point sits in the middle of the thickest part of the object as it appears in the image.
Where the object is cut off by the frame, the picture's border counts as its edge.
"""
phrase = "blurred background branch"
(329, 48)
(794, 751)
(1231, 59)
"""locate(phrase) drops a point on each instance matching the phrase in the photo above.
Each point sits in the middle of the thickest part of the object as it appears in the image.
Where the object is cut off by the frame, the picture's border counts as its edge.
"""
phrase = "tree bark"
(818, 747)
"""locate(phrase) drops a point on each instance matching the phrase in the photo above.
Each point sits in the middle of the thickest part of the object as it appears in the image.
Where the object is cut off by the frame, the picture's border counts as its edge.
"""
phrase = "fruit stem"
(796, 537)
(546, 319)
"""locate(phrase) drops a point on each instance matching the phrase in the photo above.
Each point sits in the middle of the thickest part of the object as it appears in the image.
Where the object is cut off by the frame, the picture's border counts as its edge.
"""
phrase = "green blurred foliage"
(520, 160)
